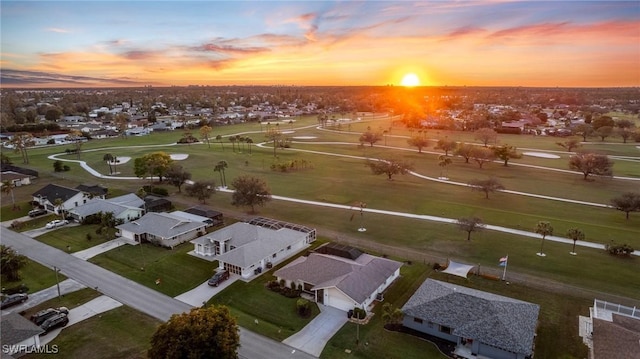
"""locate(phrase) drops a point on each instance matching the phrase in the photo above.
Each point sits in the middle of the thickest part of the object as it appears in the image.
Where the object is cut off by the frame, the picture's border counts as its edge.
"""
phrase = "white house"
(249, 248)
(48, 195)
(341, 282)
(125, 208)
(162, 229)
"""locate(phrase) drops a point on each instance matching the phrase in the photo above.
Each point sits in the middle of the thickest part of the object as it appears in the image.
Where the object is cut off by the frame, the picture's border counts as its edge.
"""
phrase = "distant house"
(342, 282)
(95, 190)
(18, 333)
(16, 179)
(479, 323)
(249, 248)
(48, 195)
(611, 331)
(203, 211)
(125, 208)
(162, 229)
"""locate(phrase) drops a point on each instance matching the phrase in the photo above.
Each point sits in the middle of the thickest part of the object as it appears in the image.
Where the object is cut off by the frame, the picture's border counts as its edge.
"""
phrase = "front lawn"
(73, 238)
(263, 311)
(178, 271)
(36, 277)
(69, 300)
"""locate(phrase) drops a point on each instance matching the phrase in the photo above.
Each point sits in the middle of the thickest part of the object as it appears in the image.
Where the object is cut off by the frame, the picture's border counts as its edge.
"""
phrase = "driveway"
(315, 335)
(66, 286)
(202, 293)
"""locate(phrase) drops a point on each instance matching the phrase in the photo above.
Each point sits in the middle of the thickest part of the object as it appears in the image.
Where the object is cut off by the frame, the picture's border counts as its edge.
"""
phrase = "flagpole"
(504, 272)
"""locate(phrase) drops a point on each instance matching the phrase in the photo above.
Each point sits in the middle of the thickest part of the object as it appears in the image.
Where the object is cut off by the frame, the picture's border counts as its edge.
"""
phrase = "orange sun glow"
(410, 80)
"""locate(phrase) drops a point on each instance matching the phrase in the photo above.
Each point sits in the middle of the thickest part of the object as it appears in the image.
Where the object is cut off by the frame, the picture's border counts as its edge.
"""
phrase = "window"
(445, 329)
(417, 320)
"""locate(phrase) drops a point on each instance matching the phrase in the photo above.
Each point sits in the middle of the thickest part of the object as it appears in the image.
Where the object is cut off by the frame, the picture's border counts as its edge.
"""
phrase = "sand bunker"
(304, 137)
(179, 156)
(121, 160)
(540, 154)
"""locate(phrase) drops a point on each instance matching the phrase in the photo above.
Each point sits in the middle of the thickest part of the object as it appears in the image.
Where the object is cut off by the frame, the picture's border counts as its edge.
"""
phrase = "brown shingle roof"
(617, 339)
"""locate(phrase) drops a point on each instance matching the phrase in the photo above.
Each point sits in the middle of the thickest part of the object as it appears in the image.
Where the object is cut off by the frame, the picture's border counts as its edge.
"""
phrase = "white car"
(56, 223)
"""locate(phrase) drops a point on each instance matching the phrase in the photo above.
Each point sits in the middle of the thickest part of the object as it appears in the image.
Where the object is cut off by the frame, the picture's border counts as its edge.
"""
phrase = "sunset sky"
(454, 43)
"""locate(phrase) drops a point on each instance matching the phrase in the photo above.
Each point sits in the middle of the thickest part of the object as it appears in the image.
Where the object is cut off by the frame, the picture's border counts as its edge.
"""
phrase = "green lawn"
(69, 300)
(121, 333)
(178, 271)
(36, 277)
(73, 237)
(9, 212)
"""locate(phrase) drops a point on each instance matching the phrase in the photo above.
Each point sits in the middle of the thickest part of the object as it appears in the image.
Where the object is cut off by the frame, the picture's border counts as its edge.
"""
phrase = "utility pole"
(56, 270)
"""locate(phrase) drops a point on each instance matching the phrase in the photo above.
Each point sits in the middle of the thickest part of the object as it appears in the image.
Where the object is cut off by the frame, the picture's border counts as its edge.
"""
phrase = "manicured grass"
(73, 237)
(69, 300)
(35, 223)
(9, 212)
(118, 333)
(275, 314)
(36, 277)
(178, 271)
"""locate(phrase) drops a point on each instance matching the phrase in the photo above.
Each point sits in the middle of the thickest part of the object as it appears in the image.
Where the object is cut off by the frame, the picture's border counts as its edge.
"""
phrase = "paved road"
(132, 294)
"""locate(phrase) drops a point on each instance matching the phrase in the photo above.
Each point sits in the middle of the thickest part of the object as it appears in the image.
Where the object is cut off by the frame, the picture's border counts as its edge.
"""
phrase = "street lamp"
(56, 270)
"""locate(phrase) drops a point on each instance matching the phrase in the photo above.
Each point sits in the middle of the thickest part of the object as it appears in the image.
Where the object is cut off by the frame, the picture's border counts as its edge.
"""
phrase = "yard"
(36, 277)
(73, 238)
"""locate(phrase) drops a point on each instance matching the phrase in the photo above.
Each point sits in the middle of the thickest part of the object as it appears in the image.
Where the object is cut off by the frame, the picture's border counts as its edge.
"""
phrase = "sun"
(410, 80)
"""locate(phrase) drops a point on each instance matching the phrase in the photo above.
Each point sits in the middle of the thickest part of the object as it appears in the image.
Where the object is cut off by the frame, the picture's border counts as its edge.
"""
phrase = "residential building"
(162, 229)
(351, 280)
(479, 323)
(47, 197)
(125, 208)
(17, 334)
(16, 179)
(611, 331)
(203, 211)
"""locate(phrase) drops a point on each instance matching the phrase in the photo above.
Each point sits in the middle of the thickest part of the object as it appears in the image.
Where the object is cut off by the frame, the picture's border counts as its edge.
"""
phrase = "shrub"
(303, 307)
(282, 282)
(17, 224)
(66, 168)
(622, 250)
(359, 313)
(89, 237)
(17, 289)
(436, 266)
(293, 285)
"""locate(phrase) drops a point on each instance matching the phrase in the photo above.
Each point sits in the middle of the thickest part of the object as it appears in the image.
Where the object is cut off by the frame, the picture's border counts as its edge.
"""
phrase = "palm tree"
(220, 166)
(249, 141)
(58, 204)
(109, 159)
(443, 161)
(544, 229)
(219, 139)
(232, 139)
(240, 140)
(7, 188)
(577, 235)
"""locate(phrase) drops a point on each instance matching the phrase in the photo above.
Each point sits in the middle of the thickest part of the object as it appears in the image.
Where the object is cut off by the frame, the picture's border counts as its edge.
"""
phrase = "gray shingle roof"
(502, 322)
(161, 225)
(53, 191)
(114, 205)
(15, 328)
(357, 279)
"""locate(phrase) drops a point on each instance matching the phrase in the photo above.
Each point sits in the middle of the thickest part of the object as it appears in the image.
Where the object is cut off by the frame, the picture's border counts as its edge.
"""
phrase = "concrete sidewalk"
(101, 248)
(85, 311)
(66, 286)
(315, 335)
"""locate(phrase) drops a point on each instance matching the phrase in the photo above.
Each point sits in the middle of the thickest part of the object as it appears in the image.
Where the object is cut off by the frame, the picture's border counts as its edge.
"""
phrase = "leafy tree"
(11, 263)
(569, 144)
(58, 166)
(418, 141)
(470, 224)
(140, 167)
(602, 121)
(250, 191)
(465, 150)
(201, 190)
(274, 135)
(158, 163)
(482, 155)
(391, 315)
(220, 167)
(52, 114)
(446, 145)
(584, 129)
(370, 137)
(624, 133)
(109, 159)
(627, 202)
(203, 333)
(487, 186)
(591, 163)
(122, 123)
(177, 176)
(506, 153)
(21, 142)
(443, 161)
(390, 167)
(604, 132)
(575, 234)
(544, 229)
(205, 133)
(485, 135)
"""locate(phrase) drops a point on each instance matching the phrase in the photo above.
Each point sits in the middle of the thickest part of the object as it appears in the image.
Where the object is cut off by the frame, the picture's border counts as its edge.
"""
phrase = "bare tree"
(470, 224)
(487, 186)
(591, 163)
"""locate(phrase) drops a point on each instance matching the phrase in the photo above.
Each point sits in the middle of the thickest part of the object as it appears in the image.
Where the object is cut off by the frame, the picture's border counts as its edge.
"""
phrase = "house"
(16, 179)
(48, 196)
(162, 229)
(203, 211)
(342, 282)
(94, 191)
(193, 217)
(611, 330)
(479, 323)
(18, 334)
(249, 248)
(126, 208)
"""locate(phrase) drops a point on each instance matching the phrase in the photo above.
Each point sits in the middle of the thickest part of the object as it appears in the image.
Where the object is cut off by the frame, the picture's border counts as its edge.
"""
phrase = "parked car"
(37, 212)
(56, 223)
(41, 316)
(13, 299)
(58, 320)
(218, 278)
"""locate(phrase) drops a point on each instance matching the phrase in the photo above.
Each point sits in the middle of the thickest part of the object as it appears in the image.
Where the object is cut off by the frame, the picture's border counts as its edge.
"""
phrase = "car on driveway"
(37, 212)
(41, 316)
(218, 278)
(58, 320)
(56, 223)
(13, 299)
